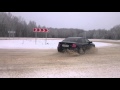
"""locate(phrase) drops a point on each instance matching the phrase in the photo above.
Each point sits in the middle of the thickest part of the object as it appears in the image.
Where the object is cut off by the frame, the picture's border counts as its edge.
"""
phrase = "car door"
(87, 43)
(82, 42)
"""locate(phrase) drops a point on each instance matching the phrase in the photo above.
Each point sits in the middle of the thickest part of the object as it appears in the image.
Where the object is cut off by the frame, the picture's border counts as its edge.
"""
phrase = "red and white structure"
(40, 30)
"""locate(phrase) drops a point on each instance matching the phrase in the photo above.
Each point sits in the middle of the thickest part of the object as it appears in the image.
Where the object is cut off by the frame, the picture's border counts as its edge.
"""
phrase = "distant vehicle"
(76, 44)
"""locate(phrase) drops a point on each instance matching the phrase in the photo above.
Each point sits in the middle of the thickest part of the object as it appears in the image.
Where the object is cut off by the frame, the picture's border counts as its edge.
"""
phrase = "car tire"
(80, 51)
(92, 49)
(59, 50)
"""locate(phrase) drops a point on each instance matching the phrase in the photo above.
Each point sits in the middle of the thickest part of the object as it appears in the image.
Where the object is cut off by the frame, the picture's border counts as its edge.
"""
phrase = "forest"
(9, 22)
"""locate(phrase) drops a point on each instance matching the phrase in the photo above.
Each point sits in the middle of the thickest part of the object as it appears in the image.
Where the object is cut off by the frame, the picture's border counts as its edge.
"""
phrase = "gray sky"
(80, 20)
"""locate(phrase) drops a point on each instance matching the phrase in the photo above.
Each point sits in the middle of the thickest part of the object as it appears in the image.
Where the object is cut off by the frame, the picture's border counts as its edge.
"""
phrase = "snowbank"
(38, 44)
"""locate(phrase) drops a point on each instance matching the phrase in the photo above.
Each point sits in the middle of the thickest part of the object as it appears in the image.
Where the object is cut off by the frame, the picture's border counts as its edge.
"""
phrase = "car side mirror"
(90, 41)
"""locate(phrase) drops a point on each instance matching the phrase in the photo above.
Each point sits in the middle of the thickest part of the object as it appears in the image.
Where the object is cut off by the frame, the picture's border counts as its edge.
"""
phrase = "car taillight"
(73, 45)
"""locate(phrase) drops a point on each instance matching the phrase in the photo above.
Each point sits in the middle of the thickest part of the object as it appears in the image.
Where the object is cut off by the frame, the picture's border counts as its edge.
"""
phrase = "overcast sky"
(80, 20)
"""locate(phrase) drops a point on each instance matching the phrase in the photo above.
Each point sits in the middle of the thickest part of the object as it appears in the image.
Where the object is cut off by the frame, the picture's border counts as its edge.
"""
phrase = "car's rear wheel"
(80, 51)
(60, 50)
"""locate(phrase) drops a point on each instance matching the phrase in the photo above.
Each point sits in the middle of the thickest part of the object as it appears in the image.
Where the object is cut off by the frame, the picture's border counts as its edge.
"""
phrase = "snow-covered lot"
(38, 44)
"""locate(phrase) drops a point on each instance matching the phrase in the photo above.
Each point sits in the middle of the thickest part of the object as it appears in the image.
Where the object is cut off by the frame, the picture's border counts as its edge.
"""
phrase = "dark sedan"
(76, 44)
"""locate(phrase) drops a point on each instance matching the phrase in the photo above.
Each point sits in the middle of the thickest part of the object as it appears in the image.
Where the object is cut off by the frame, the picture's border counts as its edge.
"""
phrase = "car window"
(87, 40)
(79, 41)
(83, 41)
(71, 39)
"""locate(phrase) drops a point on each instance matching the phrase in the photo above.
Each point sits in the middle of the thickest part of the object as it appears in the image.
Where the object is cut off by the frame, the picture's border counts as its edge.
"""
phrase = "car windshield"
(71, 39)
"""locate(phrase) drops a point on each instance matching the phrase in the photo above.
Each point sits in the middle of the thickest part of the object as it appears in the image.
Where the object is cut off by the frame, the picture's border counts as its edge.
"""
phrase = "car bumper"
(65, 49)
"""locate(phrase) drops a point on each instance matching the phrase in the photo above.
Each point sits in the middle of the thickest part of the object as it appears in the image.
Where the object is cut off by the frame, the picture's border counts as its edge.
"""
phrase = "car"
(76, 44)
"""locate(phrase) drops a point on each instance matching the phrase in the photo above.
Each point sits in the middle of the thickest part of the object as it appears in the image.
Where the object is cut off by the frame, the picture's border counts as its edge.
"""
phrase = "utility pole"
(46, 39)
(35, 37)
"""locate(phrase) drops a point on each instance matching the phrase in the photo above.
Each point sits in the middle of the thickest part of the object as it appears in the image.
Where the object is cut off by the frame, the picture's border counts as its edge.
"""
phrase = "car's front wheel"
(93, 49)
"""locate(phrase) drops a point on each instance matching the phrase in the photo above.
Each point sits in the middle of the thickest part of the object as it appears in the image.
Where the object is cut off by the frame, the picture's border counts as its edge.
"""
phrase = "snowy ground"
(30, 62)
(38, 44)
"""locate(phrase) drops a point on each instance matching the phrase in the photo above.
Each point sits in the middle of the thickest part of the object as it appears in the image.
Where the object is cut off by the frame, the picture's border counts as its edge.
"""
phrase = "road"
(105, 63)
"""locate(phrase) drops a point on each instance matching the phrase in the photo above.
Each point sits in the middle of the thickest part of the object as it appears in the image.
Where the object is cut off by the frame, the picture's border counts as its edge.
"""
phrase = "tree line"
(8, 22)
